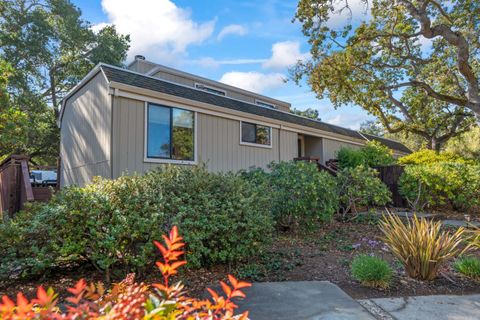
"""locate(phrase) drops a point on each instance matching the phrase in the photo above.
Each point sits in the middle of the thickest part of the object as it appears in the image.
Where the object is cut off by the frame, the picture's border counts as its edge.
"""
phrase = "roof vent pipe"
(139, 57)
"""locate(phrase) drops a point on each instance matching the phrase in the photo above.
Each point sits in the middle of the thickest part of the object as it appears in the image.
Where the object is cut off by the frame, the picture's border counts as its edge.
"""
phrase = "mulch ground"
(322, 255)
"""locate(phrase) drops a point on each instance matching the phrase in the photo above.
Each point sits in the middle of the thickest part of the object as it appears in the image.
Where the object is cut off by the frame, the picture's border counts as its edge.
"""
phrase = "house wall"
(218, 142)
(314, 147)
(331, 147)
(85, 134)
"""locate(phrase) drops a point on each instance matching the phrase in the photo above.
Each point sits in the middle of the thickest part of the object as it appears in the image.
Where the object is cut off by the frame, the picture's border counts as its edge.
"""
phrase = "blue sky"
(249, 44)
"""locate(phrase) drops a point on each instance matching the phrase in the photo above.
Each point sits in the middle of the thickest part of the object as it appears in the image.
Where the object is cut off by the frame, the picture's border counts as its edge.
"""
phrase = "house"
(118, 121)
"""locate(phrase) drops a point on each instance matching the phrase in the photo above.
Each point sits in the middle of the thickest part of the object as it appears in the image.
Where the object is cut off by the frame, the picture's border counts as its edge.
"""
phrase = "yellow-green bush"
(430, 156)
(455, 183)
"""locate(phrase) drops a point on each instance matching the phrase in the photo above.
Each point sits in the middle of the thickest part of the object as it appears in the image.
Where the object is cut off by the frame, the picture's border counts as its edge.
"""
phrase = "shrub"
(131, 300)
(360, 186)
(468, 266)
(427, 156)
(371, 271)
(441, 183)
(420, 245)
(112, 222)
(372, 154)
(300, 195)
(377, 154)
(350, 158)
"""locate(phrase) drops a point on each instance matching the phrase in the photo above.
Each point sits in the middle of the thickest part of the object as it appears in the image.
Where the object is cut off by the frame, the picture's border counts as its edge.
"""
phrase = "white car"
(43, 177)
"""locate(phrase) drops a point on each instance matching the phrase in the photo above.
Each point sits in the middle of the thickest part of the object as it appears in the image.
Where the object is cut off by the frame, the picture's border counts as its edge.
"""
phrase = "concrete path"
(302, 300)
(444, 307)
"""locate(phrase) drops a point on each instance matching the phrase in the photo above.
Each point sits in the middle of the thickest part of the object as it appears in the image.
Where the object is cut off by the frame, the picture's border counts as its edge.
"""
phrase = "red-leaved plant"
(131, 300)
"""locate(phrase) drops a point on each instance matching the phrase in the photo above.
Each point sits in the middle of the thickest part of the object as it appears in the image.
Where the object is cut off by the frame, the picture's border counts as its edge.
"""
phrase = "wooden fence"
(390, 175)
(16, 188)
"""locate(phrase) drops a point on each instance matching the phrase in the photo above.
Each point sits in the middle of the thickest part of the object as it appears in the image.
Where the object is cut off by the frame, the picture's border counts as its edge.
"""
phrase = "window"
(210, 89)
(170, 133)
(256, 134)
(265, 104)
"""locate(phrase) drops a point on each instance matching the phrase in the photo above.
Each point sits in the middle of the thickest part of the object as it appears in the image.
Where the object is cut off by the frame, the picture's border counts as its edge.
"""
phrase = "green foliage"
(441, 183)
(360, 186)
(420, 244)
(350, 158)
(300, 195)
(307, 113)
(49, 48)
(371, 271)
(430, 156)
(468, 266)
(381, 65)
(372, 154)
(466, 145)
(377, 154)
(113, 222)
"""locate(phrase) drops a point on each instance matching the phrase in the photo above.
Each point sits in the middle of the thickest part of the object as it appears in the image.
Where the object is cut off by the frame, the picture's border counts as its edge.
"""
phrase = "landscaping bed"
(325, 254)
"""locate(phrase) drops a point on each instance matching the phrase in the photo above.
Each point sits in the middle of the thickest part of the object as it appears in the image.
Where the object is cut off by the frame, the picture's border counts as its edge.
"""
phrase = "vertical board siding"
(218, 142)
(331, 147)
(314, 147)
(85, 134)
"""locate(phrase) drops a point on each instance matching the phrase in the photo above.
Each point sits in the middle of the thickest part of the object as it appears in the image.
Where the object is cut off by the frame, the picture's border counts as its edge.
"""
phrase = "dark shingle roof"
(137, 80)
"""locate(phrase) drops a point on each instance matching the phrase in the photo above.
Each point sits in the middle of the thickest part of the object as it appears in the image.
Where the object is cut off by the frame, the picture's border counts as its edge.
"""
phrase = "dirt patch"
(321, 255)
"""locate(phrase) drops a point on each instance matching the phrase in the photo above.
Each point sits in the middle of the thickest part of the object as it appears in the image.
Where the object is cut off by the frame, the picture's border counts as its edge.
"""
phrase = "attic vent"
(139, 57)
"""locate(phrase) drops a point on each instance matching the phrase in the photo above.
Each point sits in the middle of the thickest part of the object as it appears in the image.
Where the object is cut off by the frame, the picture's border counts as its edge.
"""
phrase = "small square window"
(256, 134)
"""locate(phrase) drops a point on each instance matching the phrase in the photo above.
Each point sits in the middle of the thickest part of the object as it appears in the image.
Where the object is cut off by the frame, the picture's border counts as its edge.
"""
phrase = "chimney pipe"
(139, 57)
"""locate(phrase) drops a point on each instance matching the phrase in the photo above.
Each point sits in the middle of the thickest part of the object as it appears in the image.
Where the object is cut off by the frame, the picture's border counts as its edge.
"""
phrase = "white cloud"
(348, 120)
(209, 62)
(233, 29)
(99, 26)
(285, 54)
(158, 28)
(253, 81)
(357, 11)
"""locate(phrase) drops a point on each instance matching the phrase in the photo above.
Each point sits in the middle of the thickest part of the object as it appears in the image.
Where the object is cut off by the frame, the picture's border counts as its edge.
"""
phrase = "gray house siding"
(218, 142)
(331, 147)
(85, 134)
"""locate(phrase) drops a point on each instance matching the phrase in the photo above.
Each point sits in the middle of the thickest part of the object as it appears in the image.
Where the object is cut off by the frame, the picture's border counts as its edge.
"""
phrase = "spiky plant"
(420, 244)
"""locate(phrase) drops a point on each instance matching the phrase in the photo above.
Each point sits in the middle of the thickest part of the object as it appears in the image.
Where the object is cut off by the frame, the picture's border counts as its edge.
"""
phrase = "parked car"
(43, 177)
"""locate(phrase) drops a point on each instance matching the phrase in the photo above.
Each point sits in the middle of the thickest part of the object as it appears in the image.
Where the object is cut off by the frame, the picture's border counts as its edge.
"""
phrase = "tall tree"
(377, 63)
(50, 48)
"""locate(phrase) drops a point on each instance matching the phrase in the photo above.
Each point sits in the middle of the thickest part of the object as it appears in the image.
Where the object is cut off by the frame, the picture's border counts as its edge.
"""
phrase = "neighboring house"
(118, 121)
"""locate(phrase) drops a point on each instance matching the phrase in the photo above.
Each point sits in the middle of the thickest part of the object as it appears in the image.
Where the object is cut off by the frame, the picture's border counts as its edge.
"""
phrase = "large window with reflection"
(170, 133)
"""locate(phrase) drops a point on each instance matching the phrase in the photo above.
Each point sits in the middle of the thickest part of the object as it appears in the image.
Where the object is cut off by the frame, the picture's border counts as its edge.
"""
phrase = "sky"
(248, 44)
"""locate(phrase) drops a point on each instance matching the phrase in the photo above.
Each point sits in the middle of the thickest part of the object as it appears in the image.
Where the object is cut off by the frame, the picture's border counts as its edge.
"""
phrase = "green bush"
(441, 183)
(350, 158)
(371, 271)
(468, 266)
(359, 187)
(427, 156)
(113, 222)
(300, 195)
(372, 154)
(377, 154)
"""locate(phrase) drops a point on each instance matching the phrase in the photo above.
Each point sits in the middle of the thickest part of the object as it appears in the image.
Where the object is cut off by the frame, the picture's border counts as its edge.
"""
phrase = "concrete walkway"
(315, 300)
(302, 300)
(444, 307)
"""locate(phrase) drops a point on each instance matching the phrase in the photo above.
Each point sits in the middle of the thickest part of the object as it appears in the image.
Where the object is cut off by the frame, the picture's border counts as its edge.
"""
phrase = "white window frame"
(258, 145)
(171, 161)
(274, 106)
(210, 87)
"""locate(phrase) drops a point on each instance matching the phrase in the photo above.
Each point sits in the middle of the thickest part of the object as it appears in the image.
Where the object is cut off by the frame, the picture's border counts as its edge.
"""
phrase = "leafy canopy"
(49, 48)
(381, 65)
